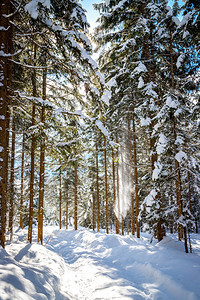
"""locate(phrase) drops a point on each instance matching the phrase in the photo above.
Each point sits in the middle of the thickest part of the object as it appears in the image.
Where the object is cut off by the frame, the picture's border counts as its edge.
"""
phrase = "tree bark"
(131, 175)
(171, 203)
(66, 213)
(93, 210)
(117, 223)
(75, 199)
(122, 220)
(9, 89)
(22, 183)
(12, 177)
(106, 186)
(136, 177)
(60, 198)
(114, 192)
(97, 187)
(42, 166)
(33, 144)
(4, 10)
(127, 221)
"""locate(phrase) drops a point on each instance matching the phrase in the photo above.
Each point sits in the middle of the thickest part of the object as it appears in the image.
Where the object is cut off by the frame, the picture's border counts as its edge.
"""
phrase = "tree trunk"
(171, 203)
(122, 220)
(4, 9)
(66, 214)
(131, 175)
(60, 198)
(22, 184)
(106, 186)
(127, 222)
(9, 89)
(136, 177)
(75, 199)
(42, 166)
(97, 187)
(93, 210)
(189, 192)
(114, 192)
(33, 143)
(178, 197)
(12, 177)
(117, 223)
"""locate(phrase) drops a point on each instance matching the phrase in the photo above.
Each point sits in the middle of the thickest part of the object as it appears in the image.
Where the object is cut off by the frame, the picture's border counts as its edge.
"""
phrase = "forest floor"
(87, 265)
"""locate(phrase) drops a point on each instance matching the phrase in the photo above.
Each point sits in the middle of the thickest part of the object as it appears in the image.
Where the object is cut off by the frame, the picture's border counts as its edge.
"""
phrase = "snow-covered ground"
(87, 265)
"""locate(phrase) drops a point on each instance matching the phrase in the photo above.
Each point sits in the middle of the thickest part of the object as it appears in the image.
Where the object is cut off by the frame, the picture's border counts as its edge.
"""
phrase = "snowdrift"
(87, 265)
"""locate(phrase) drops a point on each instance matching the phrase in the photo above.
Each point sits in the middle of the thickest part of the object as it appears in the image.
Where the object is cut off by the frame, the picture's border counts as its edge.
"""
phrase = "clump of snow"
(106, 96)
(102, 128)
(140, 83)
(140, 68)
(162, 143)
(150, 199)
(32, 7)
(173, 103)
(180, 156)
(179, 140)
(185, 34)
(145, 121)
(107, 2)
(178, 112)
(180, 60)
(157, 170)
(176, 21)
(111, 83)
(149, 90)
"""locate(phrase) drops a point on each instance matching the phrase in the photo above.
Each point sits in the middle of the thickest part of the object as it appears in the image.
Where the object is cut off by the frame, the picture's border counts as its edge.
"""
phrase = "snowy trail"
(100, 266)
(85, 265)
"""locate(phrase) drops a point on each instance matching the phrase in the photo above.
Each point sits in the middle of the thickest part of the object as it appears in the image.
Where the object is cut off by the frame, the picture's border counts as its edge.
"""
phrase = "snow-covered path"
(87, 265)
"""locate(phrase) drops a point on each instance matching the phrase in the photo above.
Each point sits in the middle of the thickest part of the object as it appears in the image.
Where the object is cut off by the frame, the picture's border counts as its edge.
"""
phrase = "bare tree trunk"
(4, 10)
(66, 214)
(117, 220)
(75, 199)
(60, 197)
(136, 177)
(131, 175)
(30, 225)
(12, 177)
(106, 186)
(114, 192)
(22, 184)
(178, 197)
(171, 203)
(127, 220)
(93, 210)
(42, 166)
(33, 144)
(122, 220)
(9, 89)
(97, 187)
(189, 192)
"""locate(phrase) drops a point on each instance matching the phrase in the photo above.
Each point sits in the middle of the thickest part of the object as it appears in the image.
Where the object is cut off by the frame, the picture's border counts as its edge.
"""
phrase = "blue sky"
(92, 14)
